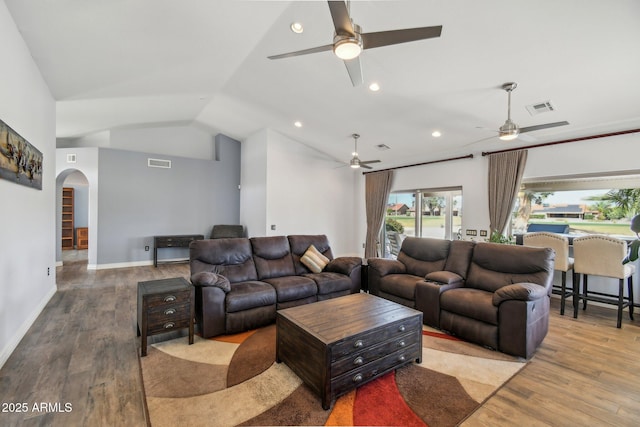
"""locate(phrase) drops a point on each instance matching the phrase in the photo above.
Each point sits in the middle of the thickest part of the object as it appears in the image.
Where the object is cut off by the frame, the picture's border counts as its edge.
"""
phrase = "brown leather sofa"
(241, 282)
(491, 294)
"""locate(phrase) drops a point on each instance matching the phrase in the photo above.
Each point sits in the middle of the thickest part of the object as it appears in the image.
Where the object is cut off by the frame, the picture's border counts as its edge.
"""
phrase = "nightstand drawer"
(168, 298)
(168, 325)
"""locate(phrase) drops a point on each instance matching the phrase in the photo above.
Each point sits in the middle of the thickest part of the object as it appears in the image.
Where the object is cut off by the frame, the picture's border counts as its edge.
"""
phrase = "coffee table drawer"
(373, 353)
(359, 342)
(372, 370)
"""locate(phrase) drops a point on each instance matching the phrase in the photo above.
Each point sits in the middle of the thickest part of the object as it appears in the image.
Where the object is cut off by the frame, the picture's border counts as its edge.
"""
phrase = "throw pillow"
(314, 260)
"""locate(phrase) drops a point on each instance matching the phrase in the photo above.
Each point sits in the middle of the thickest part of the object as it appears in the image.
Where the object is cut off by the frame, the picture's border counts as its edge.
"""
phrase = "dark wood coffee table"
(339, 344)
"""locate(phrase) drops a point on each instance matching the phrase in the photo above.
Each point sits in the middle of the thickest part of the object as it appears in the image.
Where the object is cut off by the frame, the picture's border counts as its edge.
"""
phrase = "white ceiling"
(129, 63)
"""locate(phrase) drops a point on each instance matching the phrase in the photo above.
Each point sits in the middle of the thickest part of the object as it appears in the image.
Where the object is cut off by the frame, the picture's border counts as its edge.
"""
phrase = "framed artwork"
(20, 162)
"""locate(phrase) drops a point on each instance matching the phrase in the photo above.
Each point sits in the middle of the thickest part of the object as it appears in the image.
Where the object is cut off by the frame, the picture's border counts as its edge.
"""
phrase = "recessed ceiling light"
(374, 87)
(436, 134)
(297, 27)
(297, 124)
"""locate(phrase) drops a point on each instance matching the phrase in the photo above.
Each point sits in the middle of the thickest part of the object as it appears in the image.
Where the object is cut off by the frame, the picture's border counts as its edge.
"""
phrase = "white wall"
(27, 236)
(301, 190)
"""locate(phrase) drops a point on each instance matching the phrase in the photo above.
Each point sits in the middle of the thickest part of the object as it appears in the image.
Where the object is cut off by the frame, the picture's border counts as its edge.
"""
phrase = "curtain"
(505, 174)
(377, 188)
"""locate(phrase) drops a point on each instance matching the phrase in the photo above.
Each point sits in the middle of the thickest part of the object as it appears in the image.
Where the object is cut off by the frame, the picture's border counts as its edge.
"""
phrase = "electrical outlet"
(273, 226)
(146, 248)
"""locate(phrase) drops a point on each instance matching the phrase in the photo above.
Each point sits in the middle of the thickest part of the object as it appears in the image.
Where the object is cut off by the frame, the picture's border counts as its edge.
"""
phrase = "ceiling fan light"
(355, 162)
(509, 131)
(347, 48)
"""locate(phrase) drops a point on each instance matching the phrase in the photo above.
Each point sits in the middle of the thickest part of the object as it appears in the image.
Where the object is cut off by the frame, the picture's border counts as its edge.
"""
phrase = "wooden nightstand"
(164, 305)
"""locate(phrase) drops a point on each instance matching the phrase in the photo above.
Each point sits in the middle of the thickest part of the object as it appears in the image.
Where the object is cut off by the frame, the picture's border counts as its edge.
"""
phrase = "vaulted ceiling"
(138, 63)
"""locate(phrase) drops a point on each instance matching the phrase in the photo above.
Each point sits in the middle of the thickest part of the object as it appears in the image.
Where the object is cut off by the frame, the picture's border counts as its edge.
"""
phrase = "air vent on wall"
(71, 158)
(159, 163)
(540, 107)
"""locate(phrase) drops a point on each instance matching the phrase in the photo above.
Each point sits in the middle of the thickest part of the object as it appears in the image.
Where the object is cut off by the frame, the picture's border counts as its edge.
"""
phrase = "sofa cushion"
(329, 283)
(314, 260)
(299, 243)
(423, 255)
(230, 257)
(272, 257)
(205, 278)
(402, 285)
(291, 288)
(247, 295)
(494, 266)
(473, 303)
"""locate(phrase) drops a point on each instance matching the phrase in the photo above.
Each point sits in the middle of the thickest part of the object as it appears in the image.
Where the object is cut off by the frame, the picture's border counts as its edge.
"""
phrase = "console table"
(177, 241)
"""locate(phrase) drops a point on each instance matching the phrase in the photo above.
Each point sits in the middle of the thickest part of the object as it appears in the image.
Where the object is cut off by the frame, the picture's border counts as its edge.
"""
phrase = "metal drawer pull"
(169, 298)
(357, 378)
(169, 325)
(170, 311)
(402, 358)
(401, 344)
(358, 360)
(358, 344)
(402, 328)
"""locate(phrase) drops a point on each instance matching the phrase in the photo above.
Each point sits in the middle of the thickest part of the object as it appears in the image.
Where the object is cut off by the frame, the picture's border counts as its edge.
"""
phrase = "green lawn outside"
(596, 227)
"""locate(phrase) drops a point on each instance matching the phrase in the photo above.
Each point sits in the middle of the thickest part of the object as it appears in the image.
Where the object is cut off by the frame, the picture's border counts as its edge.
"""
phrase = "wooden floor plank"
(83, 349)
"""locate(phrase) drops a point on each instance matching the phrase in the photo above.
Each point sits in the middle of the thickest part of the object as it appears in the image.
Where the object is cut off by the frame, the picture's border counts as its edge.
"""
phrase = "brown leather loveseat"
(491, 294)
(241, 282)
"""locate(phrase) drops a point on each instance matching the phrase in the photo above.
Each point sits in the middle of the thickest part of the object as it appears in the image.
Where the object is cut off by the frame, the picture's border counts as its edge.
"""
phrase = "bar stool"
(563, 263)
(601, 255)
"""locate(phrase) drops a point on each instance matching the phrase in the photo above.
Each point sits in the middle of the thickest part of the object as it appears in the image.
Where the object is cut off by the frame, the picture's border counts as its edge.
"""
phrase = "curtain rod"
(468, 156)
(564, 141)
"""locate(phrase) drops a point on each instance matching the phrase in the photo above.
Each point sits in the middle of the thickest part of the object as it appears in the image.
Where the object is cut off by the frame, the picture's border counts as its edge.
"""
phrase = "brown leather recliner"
(240, 282)
(490, 294)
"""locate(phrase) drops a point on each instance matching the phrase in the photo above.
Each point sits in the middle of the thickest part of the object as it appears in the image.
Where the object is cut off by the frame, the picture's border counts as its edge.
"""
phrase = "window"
(589, 205)
(422, 213)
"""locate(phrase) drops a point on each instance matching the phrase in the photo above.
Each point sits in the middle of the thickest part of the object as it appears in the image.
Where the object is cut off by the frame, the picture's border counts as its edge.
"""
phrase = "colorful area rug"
(234, 381)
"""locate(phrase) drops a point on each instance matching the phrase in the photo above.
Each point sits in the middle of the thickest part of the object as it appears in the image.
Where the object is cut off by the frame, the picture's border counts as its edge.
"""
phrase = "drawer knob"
(401, 344)
(358, 344)
(169, 325)
(170, 311)
(358, 360)
(169, 298)
(357, 378)
(402, 328)
(402, 358)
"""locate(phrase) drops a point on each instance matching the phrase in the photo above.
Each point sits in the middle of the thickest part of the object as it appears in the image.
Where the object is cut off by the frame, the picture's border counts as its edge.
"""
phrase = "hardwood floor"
(82, 350)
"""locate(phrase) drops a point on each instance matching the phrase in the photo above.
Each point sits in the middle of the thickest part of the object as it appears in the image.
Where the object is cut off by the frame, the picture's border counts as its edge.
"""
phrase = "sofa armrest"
(343, 265)
(206, 278)
(384, 266)
(520, 292)
(444, 277)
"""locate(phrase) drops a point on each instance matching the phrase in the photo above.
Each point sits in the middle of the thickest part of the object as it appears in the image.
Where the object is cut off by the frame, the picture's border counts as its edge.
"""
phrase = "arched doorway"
(72, 217)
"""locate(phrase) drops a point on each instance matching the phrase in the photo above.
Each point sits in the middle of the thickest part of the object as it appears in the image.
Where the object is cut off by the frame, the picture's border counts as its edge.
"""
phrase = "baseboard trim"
(22, 331)
(118, 265)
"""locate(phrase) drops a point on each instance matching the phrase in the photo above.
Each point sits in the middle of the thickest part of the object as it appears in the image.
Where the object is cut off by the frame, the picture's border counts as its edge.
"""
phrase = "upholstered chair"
(600, 255)
(564, 263)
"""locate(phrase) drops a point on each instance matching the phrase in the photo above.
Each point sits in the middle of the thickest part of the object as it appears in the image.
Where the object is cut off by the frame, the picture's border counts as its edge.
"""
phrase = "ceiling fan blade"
(364, 166)
(341, 18)
(354, 68)
(369, 161)
(386, 38)
(302, 52)
(544, 126)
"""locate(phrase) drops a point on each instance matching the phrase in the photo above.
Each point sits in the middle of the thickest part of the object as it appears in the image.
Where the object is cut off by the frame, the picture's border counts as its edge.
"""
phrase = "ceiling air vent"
(71, 158)
(383, 147)
(540, 107)
(159, 163)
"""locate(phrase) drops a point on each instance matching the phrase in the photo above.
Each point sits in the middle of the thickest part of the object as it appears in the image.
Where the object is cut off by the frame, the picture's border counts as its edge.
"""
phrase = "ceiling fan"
(349, 40)
(355, 162)
(509, 130)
